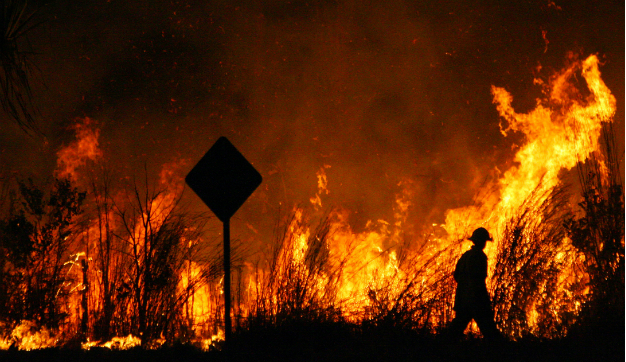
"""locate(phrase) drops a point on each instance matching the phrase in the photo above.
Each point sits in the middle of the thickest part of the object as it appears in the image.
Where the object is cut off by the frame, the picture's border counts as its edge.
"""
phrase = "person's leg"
(458, 325)
(484, 320)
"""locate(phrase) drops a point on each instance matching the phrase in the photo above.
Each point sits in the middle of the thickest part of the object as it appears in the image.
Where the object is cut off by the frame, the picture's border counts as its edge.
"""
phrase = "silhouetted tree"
(16, 20)
(36, 239)
(104, 256)
(159, 240)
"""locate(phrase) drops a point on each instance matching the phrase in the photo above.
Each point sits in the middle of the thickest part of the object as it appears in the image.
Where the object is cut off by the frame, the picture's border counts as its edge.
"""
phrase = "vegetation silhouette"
(139, 251)
(17, 18)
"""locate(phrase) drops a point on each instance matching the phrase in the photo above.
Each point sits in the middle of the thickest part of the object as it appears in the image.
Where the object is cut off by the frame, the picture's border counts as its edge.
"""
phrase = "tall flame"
(558, 135)
(561, 131)
(367, 268)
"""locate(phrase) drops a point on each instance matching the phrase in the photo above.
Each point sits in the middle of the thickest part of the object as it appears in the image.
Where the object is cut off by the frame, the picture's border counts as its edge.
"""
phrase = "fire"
(207, 343)
(322, 188)
(84, 148)
(117, 266)
(201, 305)
(28, 336)
(559, 134)
(561, 131)
(118, 343)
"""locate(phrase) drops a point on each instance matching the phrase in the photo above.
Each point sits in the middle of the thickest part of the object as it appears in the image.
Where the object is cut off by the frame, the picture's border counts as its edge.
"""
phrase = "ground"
(338, 343)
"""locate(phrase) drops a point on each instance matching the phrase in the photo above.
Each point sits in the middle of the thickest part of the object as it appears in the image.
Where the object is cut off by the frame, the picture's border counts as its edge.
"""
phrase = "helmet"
(480, 234)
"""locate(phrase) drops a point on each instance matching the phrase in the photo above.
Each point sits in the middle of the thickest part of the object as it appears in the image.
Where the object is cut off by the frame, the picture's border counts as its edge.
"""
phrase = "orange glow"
(84, 148)
(558, 134)
(368, 271)
(26, 336)
(118, 343)
(322, 188)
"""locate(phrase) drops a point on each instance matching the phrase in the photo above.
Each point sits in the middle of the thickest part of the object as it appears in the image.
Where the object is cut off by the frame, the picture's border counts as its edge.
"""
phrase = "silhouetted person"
(472, 299)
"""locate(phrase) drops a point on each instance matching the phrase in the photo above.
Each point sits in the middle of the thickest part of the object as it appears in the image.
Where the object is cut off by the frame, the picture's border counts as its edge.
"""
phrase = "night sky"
(382, 91)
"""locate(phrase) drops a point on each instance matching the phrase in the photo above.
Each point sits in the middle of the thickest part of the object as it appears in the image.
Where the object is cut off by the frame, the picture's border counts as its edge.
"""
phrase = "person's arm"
(483, 266)
(460, 268)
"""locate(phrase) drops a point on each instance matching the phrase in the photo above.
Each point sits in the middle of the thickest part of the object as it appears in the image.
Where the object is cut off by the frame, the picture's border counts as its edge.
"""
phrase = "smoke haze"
(392, 95)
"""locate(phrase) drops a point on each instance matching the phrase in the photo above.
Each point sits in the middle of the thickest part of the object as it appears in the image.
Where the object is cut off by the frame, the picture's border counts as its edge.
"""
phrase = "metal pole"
(227, 322)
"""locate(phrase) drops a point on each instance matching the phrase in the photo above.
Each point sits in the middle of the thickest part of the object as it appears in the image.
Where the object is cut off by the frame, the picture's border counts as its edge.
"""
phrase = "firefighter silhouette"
(472, 299)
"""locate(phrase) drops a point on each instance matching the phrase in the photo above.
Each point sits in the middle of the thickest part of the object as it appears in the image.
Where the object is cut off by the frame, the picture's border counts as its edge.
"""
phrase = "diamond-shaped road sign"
(223, 179)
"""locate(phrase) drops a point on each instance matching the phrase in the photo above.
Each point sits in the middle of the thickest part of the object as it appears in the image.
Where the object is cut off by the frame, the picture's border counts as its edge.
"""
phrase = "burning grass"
(86, 268)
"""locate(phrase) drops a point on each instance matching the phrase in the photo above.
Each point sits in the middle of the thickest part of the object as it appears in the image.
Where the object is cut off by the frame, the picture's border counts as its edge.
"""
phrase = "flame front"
(143, 270)
(559, 134)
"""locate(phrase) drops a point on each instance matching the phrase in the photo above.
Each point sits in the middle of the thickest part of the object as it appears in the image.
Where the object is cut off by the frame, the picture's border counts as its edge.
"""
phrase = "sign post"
(224, 179)
(227, 321)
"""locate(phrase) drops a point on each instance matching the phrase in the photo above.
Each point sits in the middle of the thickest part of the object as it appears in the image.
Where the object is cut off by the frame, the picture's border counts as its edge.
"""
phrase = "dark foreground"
(328, 343)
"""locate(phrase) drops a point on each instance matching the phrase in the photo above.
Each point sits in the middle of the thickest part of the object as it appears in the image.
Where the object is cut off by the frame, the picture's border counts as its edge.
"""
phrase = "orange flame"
(84, 148)
(322, 188)
(26, 336)
(558, 135)
(559, 132)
